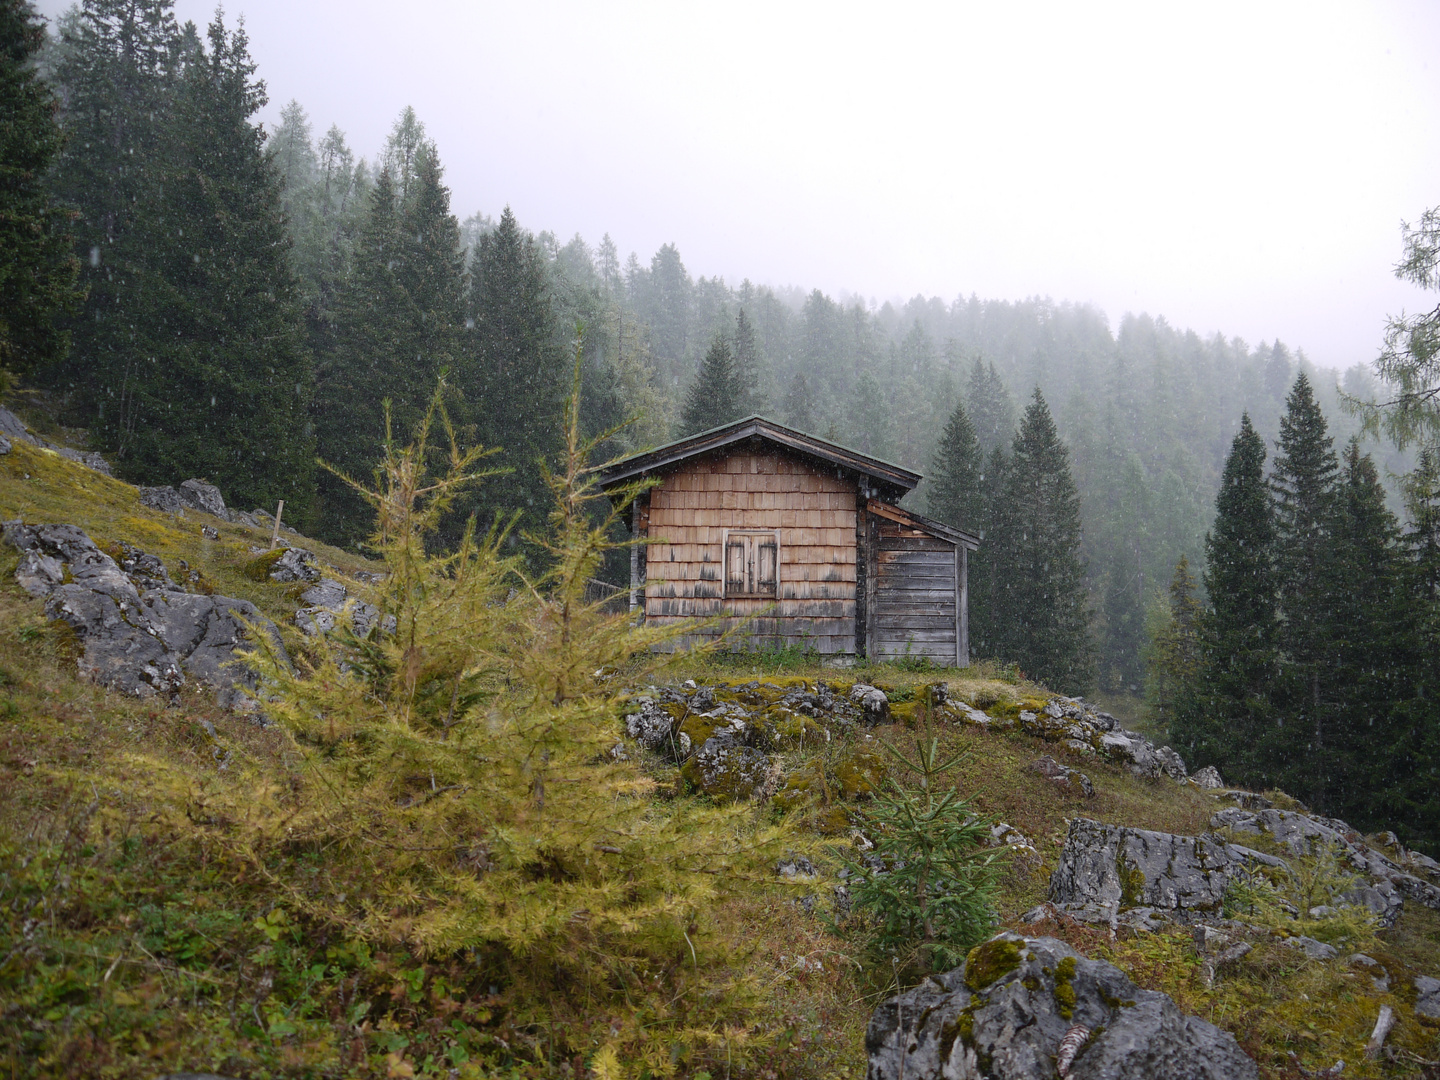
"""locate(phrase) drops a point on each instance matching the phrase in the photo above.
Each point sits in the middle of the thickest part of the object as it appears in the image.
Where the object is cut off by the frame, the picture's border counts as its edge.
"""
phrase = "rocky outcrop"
(205, 498)
(1023, 1008)
(139, 632)
(1107, 869)
(13, 430)
(1389, 882)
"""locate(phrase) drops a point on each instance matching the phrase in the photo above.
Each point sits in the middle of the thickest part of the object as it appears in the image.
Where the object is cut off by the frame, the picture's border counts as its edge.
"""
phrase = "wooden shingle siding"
(914, 609)
(812, 508)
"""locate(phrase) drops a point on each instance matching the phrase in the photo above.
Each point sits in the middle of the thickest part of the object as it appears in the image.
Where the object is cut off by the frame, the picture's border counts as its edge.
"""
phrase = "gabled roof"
(892, 480)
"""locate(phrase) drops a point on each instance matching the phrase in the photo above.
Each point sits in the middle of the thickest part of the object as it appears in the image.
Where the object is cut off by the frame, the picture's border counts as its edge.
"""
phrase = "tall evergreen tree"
(869, 428)
(117, 72)
(747, 365)
(989, 616)
(1174, 656)
(514, 378)
(1227, 720)
(220, 385)
(955, 495)
(1303, 483)
(1372, 639)
(716, 396)
(38, 268)
(989, 405)
(1039, 569)
(799, 413)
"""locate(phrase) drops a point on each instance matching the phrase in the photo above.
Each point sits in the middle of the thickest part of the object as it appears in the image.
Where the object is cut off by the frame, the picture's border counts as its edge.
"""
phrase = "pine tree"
(38, 268)
(209, 374)
(1303, 485)
(715, 396)
(747, 366)
(869, 430)
(1372, 640)
(1173, 658)
(989, 616)
(989, 405)
(1126, 586)
(513, 378)
(1227, 721)
(116, 76)
(1039, 569)
(955, 495)
(798, 412)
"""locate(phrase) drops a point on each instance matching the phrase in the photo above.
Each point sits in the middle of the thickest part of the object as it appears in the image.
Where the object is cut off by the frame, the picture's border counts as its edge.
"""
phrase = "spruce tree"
(38, 267)
(1126, 587)
(1303, 484)
(747, 366)
(514, 375)
(715, 396)
(221, 387)
(989, 405)
(1227, 720)
(869, 430)
(798, 411)
(118, 67)
(1039, 569)
(955, 496)
(1372, 640)
(989, 618)
(1174, 654)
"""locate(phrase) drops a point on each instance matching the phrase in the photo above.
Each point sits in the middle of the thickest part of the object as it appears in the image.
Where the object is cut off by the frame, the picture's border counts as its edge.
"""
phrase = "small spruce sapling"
(932, 896)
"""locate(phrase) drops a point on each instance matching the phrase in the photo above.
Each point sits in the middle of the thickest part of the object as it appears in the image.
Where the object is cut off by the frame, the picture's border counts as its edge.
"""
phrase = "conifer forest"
(1232, 548)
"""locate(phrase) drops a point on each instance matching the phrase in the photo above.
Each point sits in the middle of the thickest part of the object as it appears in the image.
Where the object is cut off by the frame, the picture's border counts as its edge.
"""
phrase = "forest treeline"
(210, 298)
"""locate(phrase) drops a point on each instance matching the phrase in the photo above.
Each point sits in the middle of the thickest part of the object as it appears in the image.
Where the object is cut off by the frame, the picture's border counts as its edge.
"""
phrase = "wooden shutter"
(767, 570)
(735, 566)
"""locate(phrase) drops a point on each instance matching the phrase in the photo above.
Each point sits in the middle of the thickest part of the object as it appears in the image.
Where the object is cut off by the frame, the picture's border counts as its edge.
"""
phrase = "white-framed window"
(752, 562)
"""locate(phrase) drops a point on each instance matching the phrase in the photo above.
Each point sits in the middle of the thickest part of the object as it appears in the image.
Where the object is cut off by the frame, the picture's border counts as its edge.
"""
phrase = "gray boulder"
(5, 446)
(726, 769)
(1104, 869)
(1207, 778)
(296, 564)
(1427, 997)
(165, 499)
(651, 726)
(1315, 950)
(874, 704)
(203, 497)
(1005, 1012)
(138, 638)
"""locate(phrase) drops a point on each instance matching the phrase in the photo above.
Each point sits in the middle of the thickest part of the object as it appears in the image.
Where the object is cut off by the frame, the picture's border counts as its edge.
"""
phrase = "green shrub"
(932, 898)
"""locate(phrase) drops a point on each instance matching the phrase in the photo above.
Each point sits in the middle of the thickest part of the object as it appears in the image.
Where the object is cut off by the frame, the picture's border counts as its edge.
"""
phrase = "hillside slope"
(137, 940)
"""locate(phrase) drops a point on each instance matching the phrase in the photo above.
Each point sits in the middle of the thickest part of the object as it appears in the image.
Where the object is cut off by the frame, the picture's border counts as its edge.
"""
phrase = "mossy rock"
(860, 773)
(835, 821)
(799, 790)
(258, 568)
(989, 961)
(724, 770)
(782, 729)
(699, 729)
(1065, 986)
(908, 713)
(786, 682)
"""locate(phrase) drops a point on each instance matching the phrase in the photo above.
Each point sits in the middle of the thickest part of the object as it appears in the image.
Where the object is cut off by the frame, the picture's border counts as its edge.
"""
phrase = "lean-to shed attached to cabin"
(805, 536)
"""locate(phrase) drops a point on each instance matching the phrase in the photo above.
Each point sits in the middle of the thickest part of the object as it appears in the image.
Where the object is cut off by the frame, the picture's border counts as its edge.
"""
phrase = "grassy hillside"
(137, 940)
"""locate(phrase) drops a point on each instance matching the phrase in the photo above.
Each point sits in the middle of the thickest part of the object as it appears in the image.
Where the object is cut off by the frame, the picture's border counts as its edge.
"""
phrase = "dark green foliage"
(997, 517)
(955, 495)
(798, 413)
(117, 75)
(869, 428)
(38, 267)
(1041, 611)
(990, 407)
(716, 396)
(1126, 584)
(1303, 482)
(513, 375)
(936, 898)
(747, 366)
(1174, 654)
(1228, 720)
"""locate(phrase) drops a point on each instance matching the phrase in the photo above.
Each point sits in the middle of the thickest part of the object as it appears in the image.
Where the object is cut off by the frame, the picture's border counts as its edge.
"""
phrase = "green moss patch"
(989, 961)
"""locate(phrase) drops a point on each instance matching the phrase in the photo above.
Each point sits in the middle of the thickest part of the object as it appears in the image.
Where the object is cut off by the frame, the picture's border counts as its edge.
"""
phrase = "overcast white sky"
(1236, 167)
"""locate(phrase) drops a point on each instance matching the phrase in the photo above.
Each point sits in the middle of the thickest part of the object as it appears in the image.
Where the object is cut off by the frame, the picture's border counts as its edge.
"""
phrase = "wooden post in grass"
(275, 536)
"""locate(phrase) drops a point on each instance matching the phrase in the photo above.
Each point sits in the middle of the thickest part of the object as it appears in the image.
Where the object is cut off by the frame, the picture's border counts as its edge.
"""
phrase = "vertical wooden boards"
(917, 600)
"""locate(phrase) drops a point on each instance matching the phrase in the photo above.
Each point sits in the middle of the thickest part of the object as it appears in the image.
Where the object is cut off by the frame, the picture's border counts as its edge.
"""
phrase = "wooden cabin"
(804, 537)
